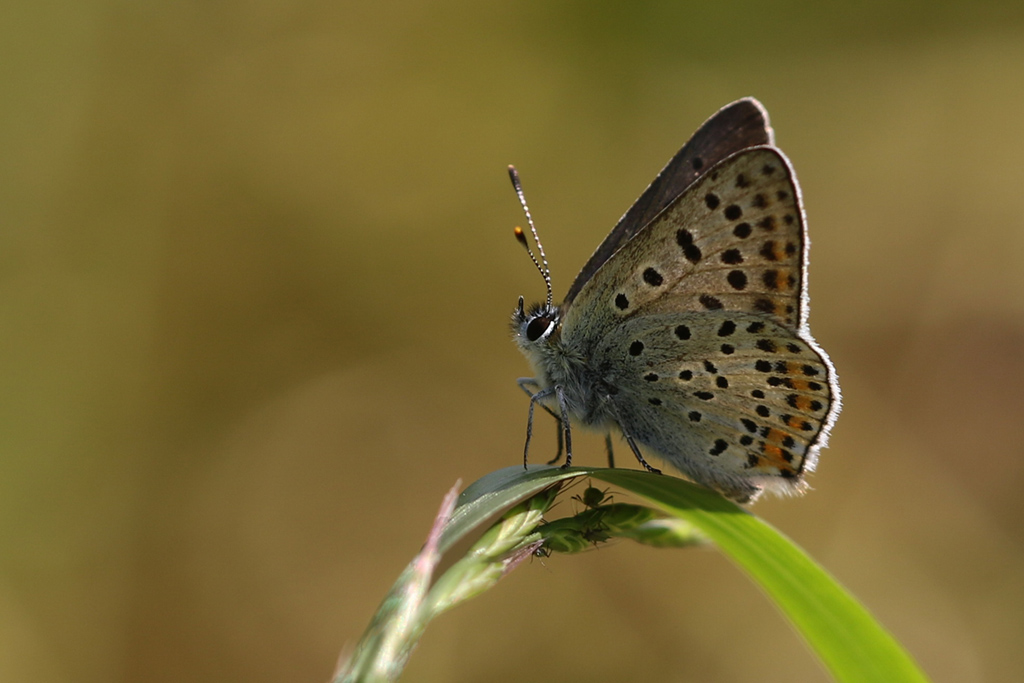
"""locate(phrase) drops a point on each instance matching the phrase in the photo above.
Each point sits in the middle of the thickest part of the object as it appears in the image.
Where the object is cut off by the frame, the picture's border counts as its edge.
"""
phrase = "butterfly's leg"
(529, 421)
(524, 384)
(611, 453)
(561, 442)
(639, 456)
(565, 426)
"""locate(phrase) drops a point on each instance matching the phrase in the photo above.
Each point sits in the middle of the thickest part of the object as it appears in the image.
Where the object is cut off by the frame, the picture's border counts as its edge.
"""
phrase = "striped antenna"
(545, 271)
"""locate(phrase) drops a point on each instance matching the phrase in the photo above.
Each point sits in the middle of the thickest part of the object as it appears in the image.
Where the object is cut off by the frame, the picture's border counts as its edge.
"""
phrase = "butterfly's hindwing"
(727, 397)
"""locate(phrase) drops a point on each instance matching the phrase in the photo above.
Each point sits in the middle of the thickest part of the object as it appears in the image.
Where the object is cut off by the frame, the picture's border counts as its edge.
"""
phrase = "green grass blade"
(492, 493)
(851, 644)
(842, 633)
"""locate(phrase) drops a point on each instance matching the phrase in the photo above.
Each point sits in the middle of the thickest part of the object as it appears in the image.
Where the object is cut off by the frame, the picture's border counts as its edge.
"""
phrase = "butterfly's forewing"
(704, 338)
(736, 126)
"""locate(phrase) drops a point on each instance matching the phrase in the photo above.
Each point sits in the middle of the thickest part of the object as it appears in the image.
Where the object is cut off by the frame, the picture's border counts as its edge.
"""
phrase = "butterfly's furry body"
(586, 395)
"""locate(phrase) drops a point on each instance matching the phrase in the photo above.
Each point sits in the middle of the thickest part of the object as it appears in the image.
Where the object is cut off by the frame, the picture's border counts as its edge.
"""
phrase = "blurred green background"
(256, 263)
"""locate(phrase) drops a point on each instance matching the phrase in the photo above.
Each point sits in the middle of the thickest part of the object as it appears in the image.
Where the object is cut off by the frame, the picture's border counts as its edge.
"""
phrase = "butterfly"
(686, 330)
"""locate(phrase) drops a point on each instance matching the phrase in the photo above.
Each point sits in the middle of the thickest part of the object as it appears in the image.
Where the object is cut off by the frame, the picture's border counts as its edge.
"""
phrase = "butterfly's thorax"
(565, 363)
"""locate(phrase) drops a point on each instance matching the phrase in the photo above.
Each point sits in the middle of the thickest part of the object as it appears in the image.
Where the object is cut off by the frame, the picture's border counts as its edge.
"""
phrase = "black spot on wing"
(732, 257)
(737, 279)
(709, 302)
(684, 238)
(653, 277)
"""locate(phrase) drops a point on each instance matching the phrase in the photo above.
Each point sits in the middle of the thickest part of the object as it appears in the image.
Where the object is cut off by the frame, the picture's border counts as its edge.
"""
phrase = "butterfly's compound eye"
(538, 327)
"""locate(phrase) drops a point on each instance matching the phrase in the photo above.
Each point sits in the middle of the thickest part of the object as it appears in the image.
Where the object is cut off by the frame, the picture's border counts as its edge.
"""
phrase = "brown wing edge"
(835, 406)
(803, 332)
(735, 127)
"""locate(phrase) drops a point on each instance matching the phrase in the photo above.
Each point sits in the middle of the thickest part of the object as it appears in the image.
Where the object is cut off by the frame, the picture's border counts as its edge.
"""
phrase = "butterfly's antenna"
(545, 272)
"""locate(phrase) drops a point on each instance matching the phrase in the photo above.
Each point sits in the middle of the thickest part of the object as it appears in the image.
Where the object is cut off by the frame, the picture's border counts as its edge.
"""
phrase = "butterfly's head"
(534, 329)
(535, 325)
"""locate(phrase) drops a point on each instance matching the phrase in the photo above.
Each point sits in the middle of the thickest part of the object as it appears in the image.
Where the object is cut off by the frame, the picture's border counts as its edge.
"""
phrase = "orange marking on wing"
(773, 454)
